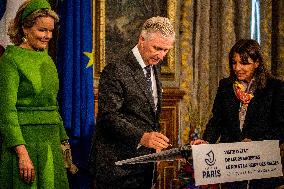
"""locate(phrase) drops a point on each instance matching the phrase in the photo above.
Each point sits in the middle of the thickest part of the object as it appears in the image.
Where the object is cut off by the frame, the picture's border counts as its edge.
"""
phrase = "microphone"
(166, 155)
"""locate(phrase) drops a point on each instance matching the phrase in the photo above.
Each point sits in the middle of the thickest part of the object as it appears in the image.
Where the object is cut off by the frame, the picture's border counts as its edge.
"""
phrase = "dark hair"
(249, 48)
(15, 30)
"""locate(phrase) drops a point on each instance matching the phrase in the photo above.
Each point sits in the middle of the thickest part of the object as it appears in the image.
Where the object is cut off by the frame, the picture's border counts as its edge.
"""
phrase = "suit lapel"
(140, 79)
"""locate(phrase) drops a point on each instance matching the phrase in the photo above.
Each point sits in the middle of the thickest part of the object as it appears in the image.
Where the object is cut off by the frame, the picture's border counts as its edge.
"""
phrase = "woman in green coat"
(30, 125)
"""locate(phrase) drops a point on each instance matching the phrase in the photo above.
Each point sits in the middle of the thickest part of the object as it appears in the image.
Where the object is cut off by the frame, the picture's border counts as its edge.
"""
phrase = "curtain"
(272, 35)
(76, 98)
(255, 21)
(209, 28)
(272, 40)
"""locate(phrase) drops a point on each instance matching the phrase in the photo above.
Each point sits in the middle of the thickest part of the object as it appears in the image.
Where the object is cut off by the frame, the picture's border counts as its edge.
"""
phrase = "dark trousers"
(136, 181)
(126, 183)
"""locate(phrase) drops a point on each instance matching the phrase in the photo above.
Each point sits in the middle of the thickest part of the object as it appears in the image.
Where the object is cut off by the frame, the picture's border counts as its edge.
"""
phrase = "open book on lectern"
(183, 152)
(223, 162)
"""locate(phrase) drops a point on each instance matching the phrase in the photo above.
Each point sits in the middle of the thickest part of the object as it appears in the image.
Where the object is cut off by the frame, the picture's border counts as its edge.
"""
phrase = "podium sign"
(228, 162)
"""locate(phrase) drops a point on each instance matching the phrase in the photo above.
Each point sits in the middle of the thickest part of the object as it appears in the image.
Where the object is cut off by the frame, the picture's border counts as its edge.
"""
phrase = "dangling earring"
(24, 39)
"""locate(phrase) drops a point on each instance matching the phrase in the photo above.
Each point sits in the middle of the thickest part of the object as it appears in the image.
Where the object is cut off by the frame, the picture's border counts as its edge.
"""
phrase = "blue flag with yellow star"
(76, 99)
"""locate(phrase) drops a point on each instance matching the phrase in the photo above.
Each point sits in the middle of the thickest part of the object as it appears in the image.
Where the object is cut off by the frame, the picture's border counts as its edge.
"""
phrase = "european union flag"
(76, 96)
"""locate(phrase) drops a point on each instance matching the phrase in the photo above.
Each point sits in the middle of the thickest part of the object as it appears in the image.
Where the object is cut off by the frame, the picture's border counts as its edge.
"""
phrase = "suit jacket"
(264, 117)
(126, 111)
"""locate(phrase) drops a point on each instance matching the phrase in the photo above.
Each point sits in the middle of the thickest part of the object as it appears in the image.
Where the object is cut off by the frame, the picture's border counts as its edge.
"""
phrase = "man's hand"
(154, 140)
(26, 168)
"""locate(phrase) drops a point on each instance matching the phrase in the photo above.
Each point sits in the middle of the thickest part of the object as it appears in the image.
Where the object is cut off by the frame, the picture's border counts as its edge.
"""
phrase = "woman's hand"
(26, 167)
(246, 140)
(198, 141)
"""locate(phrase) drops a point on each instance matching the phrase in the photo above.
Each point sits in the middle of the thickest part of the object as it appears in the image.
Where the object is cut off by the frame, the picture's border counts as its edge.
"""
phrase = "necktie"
(148, 78)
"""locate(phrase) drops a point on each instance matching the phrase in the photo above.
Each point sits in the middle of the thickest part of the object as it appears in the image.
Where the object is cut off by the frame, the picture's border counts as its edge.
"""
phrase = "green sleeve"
(9, 81)
(63, 135)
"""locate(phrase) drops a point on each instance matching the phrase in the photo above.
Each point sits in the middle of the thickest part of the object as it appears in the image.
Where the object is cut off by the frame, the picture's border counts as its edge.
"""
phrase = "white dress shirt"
(138, 57)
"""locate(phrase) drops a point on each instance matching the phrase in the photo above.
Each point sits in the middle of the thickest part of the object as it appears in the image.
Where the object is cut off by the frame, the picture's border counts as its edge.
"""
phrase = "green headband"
(33, 6)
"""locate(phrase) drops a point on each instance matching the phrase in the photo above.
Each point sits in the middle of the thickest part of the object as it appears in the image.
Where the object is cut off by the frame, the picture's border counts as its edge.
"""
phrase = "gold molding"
(99, 26)
(173, 110)
(168, 71)
(165, 170)
(99, 36)
(186, 70)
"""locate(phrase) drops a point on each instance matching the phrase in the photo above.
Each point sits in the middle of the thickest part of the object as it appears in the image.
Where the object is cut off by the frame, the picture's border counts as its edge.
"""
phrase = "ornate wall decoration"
(117, 25)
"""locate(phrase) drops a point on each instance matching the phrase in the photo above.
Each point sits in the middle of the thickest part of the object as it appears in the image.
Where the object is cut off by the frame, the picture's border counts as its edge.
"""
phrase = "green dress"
(29, 115)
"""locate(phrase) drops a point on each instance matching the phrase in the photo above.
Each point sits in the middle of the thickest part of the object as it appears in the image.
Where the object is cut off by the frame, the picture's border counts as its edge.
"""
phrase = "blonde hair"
(15, 30)
(158, 24)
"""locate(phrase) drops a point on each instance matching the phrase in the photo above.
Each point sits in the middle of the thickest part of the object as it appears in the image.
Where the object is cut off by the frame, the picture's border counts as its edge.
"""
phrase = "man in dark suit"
(129, 109)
